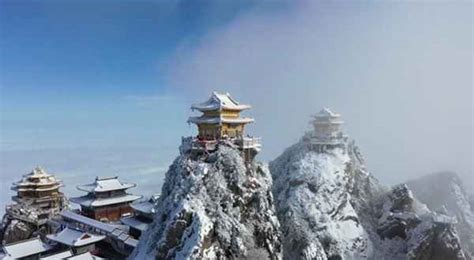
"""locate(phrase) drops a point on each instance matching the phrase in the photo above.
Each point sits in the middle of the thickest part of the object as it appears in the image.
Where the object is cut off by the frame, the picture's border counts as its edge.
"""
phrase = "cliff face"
(23, 221)
(407, 229)
(329, 207)
(13, 230)
(213, 206)
(444, 192)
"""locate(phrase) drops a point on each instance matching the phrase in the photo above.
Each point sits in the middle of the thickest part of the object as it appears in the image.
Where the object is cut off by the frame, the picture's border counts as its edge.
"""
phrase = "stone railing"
(194, 143)
(249, 142)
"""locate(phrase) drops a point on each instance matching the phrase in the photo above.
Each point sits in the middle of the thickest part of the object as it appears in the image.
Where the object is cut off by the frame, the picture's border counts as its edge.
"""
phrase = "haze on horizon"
(101, 89)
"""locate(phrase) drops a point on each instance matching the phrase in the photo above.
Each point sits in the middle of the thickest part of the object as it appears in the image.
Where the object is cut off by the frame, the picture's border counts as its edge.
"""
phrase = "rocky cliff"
(13, 230)
(22, 221)
(330, 207)
(444, 192)
(214, 206)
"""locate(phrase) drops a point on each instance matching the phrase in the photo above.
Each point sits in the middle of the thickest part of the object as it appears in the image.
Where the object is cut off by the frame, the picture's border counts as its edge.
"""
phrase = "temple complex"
(220, 120)
(106, 199)
(327, 133)
(144, 212)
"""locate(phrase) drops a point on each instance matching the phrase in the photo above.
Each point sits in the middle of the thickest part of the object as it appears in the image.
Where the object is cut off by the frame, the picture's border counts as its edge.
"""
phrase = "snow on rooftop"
(219, 119)
(25, 248)
(219, 101)
(37, 172)
(85, 256)
(37, 177)
(88, 201)
(105, 184)
(75, 238)
(87, 221)
(145, 206)
(135, 223)
(326, 116)
(326, 112)
(61, 255)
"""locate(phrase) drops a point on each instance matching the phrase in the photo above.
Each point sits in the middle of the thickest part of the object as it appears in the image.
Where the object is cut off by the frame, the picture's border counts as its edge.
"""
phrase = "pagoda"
(37, 192)
(106, 199)
(327, 133)
(221, 121)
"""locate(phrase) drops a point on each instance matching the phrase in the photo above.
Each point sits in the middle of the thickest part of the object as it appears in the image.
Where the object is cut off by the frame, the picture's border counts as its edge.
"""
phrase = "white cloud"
(399, 73)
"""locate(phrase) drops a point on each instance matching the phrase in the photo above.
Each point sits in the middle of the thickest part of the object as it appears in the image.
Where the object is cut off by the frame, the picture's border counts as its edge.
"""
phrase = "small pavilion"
(327, 133)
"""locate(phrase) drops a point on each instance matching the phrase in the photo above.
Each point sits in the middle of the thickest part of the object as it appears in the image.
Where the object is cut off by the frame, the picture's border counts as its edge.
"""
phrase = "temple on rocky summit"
(106, 199)
(39, 189)
(37, 198)
(327, 132)
(221, 120)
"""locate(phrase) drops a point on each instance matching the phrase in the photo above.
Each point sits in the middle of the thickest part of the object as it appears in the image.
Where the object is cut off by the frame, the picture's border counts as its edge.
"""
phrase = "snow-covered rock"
(213, 207)
(14, 230)
(330, 207)
(407, 229)
(444, 193)
(23, 221)
(313, 199)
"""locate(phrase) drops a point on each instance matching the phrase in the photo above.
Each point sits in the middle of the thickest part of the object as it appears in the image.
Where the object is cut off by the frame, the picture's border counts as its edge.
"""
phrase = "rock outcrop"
(444, 193)
(14, 230)
(37, 200)
(214, 206)
(23, 221)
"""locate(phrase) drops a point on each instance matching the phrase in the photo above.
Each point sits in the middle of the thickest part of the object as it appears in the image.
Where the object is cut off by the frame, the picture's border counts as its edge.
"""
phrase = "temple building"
(39, 189)
(117, 243)
(37, 198)
(144, 212)
(31, 248)
(77, 241)
(327, 133)
(106, 200)
(221, 120)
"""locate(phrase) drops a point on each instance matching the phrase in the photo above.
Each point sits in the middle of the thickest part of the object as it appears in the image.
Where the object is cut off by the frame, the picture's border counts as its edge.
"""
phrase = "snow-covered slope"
(329, 207)
(444, 192)
(318, 219)
(213, 207)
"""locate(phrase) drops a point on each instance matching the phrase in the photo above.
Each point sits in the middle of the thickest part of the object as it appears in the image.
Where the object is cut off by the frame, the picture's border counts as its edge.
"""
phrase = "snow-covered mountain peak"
(330, 207)
(214, 206)
(314, 205)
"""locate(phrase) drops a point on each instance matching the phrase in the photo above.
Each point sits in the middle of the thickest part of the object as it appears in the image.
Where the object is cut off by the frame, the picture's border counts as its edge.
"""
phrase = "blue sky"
(62, 60)
(84, 89)
(104, 87)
